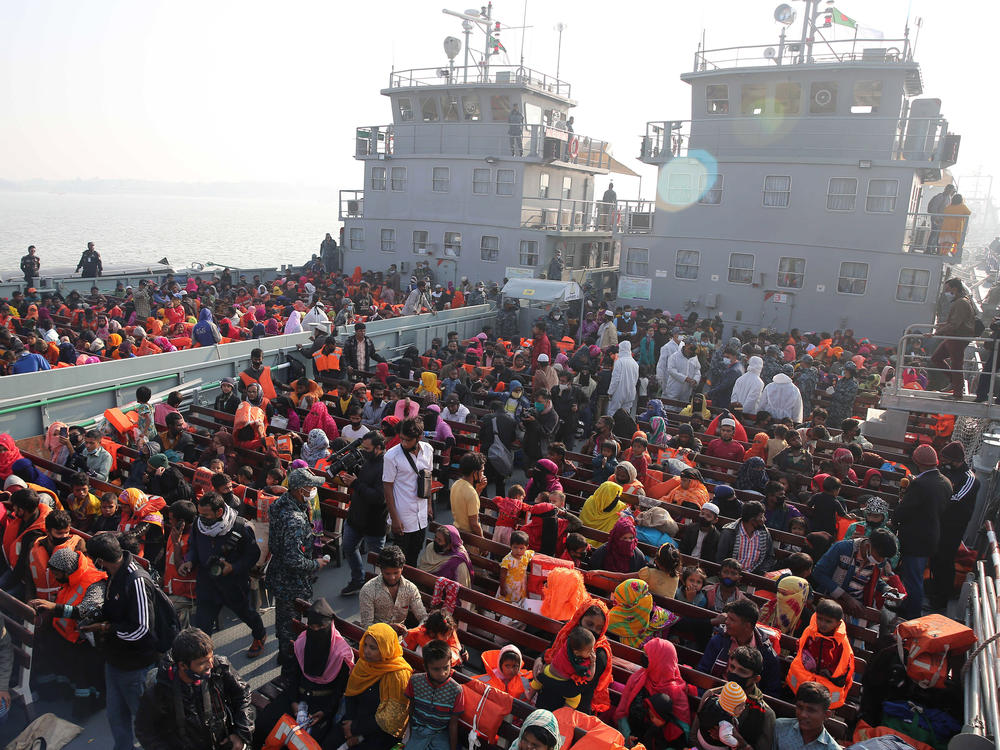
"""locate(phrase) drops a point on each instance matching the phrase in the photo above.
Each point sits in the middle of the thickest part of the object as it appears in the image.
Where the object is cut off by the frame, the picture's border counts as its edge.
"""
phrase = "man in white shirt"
(408, 513)
(355, 430)
(455, 410)
(417, 300)
(683, 374)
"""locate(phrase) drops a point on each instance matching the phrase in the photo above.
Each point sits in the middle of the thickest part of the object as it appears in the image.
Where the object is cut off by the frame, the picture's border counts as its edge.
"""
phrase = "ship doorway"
(777, 311)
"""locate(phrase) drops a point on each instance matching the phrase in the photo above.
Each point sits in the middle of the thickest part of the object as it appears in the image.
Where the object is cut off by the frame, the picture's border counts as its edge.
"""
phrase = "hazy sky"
(218, 90)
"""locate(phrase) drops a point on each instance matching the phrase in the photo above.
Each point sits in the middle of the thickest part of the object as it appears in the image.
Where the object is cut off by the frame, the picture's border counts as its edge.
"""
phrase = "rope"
(977, 652)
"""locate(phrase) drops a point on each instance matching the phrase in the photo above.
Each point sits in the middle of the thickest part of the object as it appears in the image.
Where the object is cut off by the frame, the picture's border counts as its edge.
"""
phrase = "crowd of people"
(676, 465)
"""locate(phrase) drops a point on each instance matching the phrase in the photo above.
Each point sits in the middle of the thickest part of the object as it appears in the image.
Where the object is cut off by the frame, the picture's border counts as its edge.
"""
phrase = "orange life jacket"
(201, 482)
(598, 734)
(798, 674)
(85, 576)
(181, 342)
(173, 582)
(13, 533)
(46, 586)
(148, 347)
(266, 386)
(515, 688)
(325, 362)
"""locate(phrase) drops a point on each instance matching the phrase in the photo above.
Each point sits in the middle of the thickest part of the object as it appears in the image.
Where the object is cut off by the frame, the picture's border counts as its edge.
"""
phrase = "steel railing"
(473, 74)
(924, 235)
(569, 215)
(352, 204)
(792, 52)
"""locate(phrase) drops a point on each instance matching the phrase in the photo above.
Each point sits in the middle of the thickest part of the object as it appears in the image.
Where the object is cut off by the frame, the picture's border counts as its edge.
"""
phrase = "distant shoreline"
(243, 190)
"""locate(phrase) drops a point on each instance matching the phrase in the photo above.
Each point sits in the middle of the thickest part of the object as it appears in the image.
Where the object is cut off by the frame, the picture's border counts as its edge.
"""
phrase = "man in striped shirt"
(748, 540)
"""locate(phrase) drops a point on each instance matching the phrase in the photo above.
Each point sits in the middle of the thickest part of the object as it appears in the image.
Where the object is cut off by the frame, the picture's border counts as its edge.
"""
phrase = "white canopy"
(542, 290)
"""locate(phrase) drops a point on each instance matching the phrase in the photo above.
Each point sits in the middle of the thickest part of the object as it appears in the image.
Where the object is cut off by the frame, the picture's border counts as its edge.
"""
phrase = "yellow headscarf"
(392, 674)
(429, 384)
(596, 513)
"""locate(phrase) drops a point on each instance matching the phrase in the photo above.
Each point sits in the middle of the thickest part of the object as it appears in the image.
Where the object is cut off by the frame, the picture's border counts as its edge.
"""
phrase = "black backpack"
(166, 624)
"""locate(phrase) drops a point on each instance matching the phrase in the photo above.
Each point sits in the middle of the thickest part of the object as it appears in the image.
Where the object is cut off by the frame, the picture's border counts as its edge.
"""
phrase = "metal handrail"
(473, 75)
(923, 333)
(897, 51)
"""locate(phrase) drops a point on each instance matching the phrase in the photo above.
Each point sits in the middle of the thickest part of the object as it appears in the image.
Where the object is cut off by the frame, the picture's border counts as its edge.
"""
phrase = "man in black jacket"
(129, 642)
(228, 400)
(505, 432)
(701, 539)
(917, 521)
(748, 533)
(359, 353)
(195, 700)
(367, 513)
(222, 551)
(955, 517)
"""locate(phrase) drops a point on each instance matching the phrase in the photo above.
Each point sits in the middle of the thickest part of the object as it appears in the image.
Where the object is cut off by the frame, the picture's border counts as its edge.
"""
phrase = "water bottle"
(302, 717)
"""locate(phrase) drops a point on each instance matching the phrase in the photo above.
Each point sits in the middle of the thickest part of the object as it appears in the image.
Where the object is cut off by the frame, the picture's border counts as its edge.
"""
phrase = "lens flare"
(685, 180)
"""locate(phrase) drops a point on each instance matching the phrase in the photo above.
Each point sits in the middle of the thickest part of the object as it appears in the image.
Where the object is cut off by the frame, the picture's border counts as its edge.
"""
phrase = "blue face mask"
(727, 582)
(539, 407)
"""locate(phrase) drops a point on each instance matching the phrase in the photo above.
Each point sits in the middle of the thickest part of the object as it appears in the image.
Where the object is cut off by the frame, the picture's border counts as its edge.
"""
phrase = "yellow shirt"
(515, 587)
(659, 582)
(464, 503)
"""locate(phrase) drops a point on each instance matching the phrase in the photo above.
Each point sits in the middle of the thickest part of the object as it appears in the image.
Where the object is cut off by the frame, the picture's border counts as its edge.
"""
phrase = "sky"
(218, 90)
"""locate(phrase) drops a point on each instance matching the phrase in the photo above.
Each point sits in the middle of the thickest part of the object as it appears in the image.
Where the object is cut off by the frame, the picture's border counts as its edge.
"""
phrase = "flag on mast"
(841, 19)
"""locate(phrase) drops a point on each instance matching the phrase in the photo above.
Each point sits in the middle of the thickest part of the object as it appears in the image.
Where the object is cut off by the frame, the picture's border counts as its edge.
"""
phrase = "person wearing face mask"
(540, 427)
(367, 513)
(290, 540)
(756, 723)
(722, 386)
(196, 699)
(257, 372)
(955, 516)
(960, 323)
(701, 539)
(853, 572)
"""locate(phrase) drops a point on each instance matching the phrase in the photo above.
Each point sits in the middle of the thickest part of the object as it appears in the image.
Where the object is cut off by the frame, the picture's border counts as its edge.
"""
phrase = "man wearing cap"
(359, 353)
(27, 360)
(701, 539)
(454, 409)
(477, 296)
(917, 520)
(723, 382)
(228, 400)
(545, 377)
(607, 332)
(30, 264)
(507, 320)
(290, 540)
(724, 446)
(955, 517)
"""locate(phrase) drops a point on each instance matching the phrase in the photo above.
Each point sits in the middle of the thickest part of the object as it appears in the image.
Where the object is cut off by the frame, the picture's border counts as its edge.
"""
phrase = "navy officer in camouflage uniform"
(507, 326)
(844, 391)
(289, 574)
(806, 381)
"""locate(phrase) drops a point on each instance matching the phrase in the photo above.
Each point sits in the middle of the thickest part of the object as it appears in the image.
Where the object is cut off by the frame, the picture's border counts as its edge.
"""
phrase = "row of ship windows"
(841, 192)
(483, 180)
(600, 254)
(912, 284)
(756, 100)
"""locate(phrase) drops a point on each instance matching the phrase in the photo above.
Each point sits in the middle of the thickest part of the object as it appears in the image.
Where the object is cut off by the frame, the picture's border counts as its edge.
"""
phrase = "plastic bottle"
(302, 717)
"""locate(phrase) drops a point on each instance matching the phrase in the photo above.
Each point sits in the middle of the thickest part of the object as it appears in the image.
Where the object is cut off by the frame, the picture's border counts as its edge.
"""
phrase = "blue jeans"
(424, 738)
(911, 572)
(352, 542)
(125, 688)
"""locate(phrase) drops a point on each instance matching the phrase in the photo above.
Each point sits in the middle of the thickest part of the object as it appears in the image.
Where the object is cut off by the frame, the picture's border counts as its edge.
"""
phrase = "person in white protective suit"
(683, 374)
(624, 377)
(674, 345)
(781, 397)
(749, 386)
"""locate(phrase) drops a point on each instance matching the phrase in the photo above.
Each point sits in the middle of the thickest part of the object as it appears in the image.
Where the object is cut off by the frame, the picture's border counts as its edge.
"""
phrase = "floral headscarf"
(316, 447)
(632, 606)
(658, 431)
(543, 719)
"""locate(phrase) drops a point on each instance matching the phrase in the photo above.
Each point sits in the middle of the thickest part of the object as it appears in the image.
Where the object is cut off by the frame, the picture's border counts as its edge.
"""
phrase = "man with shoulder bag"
(407, 483)
(496, 438)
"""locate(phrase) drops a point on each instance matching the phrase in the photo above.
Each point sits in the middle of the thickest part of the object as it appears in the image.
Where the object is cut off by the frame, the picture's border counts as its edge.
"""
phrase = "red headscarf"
(661, 676)
(620, 552)
(868, 476)
(9, 456)
(382, 372)
(559, 658)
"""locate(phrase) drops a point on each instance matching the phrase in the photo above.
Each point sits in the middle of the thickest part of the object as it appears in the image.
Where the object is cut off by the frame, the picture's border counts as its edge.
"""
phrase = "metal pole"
(467, 25)
(559, 27)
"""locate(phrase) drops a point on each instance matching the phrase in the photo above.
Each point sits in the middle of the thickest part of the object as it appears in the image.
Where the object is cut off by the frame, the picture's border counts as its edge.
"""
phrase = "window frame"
(495, 250)
(567, 191)
(393, 180)
(854, 195)
(521, 255)
(376, 181)
(696, 266)
(629, 262)
(894, 197)
(912, 286)
(840, 277)
(787, 192)
(747, 91)
(731, 268)
(382, 239)
(425, 243)
(801, 274)
(711, 104)
(435, 180)
(717, 187)
(787, 85)
(357, 243)
(403, 111)
(543, 185)
(688, 189)
(507, 185)
(873, 97)
(475, 182)
(448, 248)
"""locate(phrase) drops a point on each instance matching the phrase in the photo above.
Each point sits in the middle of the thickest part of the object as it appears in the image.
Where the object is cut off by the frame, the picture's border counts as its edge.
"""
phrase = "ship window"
(679, 185)
(471, 109)
(567, 189)
(378, 178)
(717, 99)
(710, 187)
(841, 194)
(637, 262)
(753, 97)
(543, 185)
(791, 272)
(787, 98)
(740, 268)
(913, 284)
(453, 244)
(881, 196)
(867, 97)
(397, 179)
(405, 108)
(569, 254)
(853, 278)
(500, 105)
(687, 263)
(608, 254)
(441, 179)
(481, 179)
(489, 248)
(823, 98)
(529, 253)
(505, 182)
(357, 238)
(388, 240)
(420, 239)
(429, 109)
(532, 114)
(449, 108)
(777, 191)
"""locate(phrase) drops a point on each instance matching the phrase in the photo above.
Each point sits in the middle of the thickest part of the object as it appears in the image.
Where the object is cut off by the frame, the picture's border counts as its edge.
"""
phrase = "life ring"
(574, 146)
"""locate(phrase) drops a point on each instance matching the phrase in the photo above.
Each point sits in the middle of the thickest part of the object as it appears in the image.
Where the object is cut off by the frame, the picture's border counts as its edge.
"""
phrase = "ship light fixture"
(491, 160)
(784, 14)
(865, 164)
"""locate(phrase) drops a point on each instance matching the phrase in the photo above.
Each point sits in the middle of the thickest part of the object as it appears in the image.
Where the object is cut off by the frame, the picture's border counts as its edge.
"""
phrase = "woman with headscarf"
(319, 418)
(9, 454)
(602, 509)
(382, 372)
(375, 697)
(594, 696)
(142, 517)
(654, 408)
(540, 731)
(624, 379)
(544, 478)
(631, 617)
(752, 475)
(25, 469)
(658, 434)
(626, 476)
(205, 332)
(272, 327)
(294, 323)
(316, 448)
(661, 677)
(428, 386)
(785, 611)
(620, 554)
(697, 407)
(67, 353)
(446, 557)
(691, 492)
(758, 446)
(843, 460)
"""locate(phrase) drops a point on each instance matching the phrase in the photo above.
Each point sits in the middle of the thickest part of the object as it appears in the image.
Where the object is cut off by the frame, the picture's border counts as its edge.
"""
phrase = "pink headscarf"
(789, 353)
(340, 653)
(661, 676)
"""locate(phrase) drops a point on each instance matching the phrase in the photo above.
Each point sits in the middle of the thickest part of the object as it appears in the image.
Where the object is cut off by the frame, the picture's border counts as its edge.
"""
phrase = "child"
(690, 588)
(717, 718)
(556, 498)
(777, 443)
(508, 510)
(439, 626)
(504, 671)
(605, 462)
(663, 576)
(111, 514)
(514, 570)
(436, 701)
(82, 504)
(798, 526)
(718, 595)
(638, 455)
(578, 550)
(560, 683)
(824, 507)
(642, 387)
(825, 654)
(145, 428)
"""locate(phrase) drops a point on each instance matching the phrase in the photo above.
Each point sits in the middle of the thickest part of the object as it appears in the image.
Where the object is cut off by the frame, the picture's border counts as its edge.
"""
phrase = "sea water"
(245, 232)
